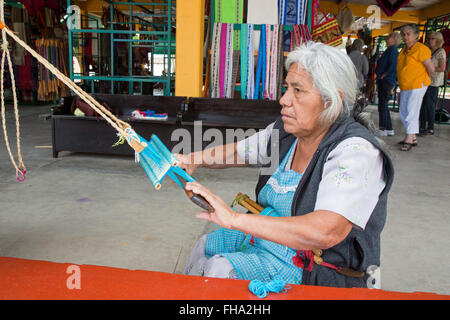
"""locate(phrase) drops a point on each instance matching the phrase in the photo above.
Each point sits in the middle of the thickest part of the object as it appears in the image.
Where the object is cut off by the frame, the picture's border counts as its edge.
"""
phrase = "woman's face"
(390, 40)
(409, 37)
(433, 41)
(301, 103)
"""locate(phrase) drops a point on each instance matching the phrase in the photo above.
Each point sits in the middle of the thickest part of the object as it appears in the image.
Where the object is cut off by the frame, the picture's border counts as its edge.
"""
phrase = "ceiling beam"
(358, 10)
(435, 10)
(96, 6)
(386, 29)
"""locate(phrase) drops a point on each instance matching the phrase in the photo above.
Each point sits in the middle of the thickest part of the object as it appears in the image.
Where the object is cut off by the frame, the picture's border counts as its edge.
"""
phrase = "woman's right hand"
(187, 162)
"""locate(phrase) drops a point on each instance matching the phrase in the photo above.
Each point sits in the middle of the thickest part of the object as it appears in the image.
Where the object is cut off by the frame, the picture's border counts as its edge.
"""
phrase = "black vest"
(361, 248)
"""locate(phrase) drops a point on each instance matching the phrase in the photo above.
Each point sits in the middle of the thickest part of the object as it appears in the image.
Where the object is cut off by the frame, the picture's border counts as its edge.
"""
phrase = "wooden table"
(31, 279)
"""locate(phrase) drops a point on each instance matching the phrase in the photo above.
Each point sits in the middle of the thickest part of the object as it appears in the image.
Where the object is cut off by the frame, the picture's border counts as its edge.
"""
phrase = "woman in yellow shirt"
(414, 68)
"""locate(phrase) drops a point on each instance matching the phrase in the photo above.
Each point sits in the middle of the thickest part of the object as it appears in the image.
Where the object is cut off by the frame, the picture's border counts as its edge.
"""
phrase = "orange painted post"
(30, 279)
(189, 48)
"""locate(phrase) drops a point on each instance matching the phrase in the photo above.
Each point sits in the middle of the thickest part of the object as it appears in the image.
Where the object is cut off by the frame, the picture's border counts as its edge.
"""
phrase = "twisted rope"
(20, 166)
(115, 122)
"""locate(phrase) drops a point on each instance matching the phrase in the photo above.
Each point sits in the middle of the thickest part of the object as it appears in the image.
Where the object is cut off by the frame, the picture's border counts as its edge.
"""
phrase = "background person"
(328, 192)
(414, 68)
(386, 72)
(360, 62)
(427, 110)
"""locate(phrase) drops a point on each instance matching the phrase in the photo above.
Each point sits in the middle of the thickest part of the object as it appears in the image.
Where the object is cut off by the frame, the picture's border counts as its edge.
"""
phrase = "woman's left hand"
(222, 215)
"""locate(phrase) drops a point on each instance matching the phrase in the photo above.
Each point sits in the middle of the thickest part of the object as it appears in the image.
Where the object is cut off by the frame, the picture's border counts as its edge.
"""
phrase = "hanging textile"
(280, 63)
(247, 62)
(244, 60)
(391, 7)
(274, 63)
(230, 11)
(206, 52)
(49, 87)
(345, 19)
(251, 63)
(215, 60)
(223, 59)
(258, 79)
(292, 11)
(228, 72)
(299, 35)
(261, 12)
(327, 32)
(221, 62)
(267, 66)
(236, 66)
(260, 70)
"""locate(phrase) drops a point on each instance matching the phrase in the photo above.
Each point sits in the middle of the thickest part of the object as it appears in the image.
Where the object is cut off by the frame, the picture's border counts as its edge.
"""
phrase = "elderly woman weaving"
(328, 191)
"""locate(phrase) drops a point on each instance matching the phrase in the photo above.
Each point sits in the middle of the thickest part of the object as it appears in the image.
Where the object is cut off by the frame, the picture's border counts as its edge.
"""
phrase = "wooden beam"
(435, 10)
(388, 28)
(96, 6)
(23, 279)
(410, 16)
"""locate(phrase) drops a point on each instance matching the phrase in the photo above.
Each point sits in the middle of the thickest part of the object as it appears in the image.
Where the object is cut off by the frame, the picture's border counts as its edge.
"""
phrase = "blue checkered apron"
(263, 260)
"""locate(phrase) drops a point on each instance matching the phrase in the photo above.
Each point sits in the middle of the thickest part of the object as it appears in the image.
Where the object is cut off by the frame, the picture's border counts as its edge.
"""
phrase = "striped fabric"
(263, 260)
(291, 12)
(328, 33)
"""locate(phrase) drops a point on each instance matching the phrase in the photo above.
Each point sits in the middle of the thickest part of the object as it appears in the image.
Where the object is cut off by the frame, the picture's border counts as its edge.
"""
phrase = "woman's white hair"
(331, 71)
(397, 37)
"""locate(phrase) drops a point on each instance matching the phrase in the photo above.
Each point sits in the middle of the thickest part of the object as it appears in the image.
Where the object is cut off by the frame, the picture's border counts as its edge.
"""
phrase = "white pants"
(409, 108)
(214, 267)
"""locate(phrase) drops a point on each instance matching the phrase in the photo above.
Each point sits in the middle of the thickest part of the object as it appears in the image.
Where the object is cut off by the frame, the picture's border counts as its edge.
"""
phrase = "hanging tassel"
(120, 141)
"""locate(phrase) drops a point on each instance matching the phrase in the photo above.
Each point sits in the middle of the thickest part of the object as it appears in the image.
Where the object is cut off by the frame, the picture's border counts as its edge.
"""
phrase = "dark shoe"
(414, 143)
(430, 132)
(406, 146)
(422, 133)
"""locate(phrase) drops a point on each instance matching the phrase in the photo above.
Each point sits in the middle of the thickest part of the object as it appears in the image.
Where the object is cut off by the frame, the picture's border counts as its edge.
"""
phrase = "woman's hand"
(222, 215)
(187, 162)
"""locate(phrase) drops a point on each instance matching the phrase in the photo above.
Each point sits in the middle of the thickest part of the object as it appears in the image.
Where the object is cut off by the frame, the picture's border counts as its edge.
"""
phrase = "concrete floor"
(102, 210)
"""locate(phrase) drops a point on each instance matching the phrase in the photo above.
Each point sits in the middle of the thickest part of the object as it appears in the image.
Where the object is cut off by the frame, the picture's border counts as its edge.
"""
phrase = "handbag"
(327, 32)
(442, 115)
(345, 19)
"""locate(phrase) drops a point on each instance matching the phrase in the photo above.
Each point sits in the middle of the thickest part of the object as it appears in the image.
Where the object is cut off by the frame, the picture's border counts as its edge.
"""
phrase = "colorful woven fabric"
(327, 32)
(230, 11)
(262, 260)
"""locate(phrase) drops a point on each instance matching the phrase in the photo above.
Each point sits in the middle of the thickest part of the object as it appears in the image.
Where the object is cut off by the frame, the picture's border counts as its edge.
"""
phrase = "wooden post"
(189, 48)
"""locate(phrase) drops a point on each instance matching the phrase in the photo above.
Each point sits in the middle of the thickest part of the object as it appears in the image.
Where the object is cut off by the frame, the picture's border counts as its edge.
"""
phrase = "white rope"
(20, 167)
(116, 123)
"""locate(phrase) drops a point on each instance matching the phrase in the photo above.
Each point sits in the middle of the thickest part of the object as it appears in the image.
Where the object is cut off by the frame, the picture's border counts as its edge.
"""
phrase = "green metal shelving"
(159, 40)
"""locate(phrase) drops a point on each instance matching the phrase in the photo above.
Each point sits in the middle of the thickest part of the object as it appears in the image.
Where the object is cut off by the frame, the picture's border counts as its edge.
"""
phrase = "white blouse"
(352, 178)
